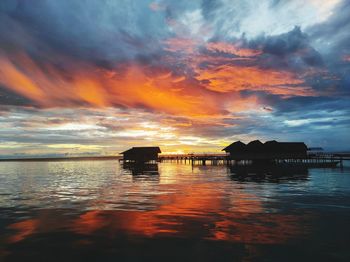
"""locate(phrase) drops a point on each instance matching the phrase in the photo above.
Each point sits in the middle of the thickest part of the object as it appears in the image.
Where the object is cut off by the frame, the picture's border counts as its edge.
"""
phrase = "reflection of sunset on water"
(200, 208)
(79, 206)
(23, 229)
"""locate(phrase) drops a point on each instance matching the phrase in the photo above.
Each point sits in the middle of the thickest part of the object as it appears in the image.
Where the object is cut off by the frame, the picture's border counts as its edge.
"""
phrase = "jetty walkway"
(321, 159)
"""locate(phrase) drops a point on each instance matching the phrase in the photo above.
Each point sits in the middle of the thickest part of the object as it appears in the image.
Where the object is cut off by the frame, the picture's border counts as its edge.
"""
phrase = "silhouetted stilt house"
(141, 154)
(236, 147)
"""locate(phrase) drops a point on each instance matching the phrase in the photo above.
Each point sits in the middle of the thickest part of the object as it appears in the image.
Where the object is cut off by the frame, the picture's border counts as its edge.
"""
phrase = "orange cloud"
(13, 78)
(138, 87)
(232, 49)
(184, 45)
(199, 91)
(228, 78)
(221, 74)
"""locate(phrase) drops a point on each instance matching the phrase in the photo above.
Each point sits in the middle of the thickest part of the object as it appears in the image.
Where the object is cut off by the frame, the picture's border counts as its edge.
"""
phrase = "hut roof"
(143, 150)
(272, 146)
(271, 142)
(255, 145)
(237, 146)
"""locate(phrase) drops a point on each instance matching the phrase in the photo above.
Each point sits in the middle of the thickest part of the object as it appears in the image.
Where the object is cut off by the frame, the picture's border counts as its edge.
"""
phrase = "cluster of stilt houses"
(270, 150)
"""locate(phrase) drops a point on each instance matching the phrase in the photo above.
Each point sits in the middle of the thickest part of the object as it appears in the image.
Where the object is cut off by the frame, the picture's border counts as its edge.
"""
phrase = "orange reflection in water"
(23, 229)
(198, 212)
(46, 221)
(266, 228)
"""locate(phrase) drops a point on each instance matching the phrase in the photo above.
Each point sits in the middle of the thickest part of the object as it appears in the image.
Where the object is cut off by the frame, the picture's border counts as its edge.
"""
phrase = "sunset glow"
(185, 76)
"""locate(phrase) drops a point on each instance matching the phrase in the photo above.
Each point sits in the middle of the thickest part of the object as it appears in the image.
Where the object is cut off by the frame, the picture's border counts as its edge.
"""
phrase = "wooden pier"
(195, 159)
(312, 160)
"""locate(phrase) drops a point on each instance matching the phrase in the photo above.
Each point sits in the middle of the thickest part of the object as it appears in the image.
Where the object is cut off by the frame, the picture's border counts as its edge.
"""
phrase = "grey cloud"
(91, 29)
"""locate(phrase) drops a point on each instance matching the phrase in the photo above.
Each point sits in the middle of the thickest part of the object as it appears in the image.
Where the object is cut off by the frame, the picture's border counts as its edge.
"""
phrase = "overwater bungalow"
(270, 150)
(141, 154)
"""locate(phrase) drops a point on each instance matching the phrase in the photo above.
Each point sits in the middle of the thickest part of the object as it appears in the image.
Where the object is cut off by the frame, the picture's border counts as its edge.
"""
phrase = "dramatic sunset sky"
(95, 77)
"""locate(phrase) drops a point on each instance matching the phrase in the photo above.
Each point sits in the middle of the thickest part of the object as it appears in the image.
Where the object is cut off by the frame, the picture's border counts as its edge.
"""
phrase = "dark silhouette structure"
(238, 147)
(141, 155)
(270, 150)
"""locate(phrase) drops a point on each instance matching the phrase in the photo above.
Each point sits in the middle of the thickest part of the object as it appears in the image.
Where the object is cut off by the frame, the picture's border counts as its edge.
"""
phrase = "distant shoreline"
(58, 159)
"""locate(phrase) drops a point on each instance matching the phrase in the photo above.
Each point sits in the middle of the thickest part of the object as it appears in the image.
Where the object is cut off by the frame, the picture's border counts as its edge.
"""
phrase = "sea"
(102, 211)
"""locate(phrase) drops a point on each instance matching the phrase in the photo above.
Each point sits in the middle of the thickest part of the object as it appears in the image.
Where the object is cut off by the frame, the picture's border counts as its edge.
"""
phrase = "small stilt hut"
(141, 155)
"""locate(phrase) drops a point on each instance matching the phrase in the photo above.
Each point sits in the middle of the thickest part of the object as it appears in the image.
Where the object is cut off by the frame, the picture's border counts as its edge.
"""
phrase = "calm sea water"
(98, 211)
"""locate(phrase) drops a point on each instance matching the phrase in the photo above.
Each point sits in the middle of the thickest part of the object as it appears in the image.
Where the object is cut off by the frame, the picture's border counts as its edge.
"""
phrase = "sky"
(96, 77)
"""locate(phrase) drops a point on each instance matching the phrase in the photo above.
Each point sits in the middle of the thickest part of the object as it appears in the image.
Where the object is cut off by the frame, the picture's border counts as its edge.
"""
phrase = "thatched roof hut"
(268, 150)
(237, 146)
(255, 147)
(141, 154)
